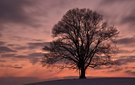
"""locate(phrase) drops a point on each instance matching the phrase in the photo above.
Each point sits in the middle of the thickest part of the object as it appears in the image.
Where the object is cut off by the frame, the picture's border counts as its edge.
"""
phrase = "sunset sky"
(25, 27)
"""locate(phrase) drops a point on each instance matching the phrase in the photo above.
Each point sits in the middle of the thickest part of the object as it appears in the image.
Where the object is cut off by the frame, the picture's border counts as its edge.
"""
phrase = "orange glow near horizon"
(40, 72)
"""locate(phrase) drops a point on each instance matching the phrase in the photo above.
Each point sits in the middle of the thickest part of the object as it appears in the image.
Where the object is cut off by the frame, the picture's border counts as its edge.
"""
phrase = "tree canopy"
(82, 39)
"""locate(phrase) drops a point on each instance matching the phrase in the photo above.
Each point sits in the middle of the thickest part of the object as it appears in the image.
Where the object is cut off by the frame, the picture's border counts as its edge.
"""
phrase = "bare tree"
(82, 39)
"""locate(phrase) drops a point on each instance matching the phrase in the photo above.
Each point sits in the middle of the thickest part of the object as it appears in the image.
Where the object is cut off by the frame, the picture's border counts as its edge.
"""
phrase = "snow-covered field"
(92, 81)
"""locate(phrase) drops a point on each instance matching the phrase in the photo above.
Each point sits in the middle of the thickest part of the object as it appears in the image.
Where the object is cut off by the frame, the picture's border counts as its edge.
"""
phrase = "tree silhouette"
(82, 39)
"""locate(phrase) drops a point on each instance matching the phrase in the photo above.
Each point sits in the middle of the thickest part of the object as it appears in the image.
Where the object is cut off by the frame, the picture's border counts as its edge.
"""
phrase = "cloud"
(7, 55)
(14, 11)
(35, 57)
(125, 60)
(16, 66)
(28, 12)
(126, 41)
(37, 45)
(4, 49)
(122, 51)
(129, 19)
(14, 56)
(18, 46)
(115, 69)
(114, 1)
(0, 34)
(124, 11)
(21, 48)
(3, 61)
(130, 72)
(22, 38)
(128, 3)
(2, 43)
(29, 46)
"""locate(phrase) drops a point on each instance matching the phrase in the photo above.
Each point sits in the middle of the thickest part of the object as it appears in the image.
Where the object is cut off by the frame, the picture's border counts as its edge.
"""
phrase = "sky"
(25, 28)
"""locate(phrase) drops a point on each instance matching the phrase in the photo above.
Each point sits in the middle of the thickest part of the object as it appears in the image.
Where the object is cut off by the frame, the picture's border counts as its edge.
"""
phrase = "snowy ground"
(92, 81)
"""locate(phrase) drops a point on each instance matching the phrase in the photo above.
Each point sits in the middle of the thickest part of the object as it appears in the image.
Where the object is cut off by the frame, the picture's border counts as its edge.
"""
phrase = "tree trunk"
(82, 73)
